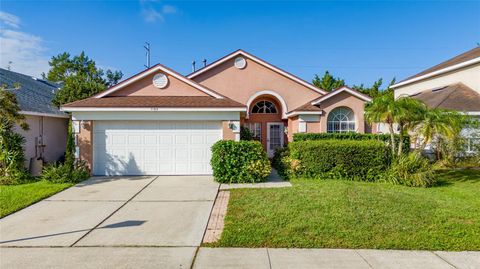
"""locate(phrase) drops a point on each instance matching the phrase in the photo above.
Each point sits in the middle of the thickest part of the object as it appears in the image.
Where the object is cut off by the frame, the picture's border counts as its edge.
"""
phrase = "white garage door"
(154, 147)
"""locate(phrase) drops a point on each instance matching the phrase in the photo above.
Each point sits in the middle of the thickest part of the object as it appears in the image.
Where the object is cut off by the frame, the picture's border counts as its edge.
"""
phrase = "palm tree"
(409, 113)
(439, 123)
(404, 112)
(382, 109)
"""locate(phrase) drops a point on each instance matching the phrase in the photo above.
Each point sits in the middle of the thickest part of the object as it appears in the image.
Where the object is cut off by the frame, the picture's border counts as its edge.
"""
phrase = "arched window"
(264, 107)
(341, 120)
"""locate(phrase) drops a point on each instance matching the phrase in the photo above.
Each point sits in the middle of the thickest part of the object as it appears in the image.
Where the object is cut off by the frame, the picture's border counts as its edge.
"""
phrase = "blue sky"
(359, 41)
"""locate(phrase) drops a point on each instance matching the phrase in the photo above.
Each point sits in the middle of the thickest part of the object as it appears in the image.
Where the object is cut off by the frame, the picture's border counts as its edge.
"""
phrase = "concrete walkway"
(119, 222)
(333, 258)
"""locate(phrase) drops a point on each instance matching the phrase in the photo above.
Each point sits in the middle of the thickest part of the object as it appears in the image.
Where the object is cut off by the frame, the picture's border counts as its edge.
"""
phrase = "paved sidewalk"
(333, 258)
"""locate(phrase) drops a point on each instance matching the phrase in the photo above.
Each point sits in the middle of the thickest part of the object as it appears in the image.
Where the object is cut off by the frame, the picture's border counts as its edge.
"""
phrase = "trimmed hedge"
(353, 136)
(347, 159)
(239, 162)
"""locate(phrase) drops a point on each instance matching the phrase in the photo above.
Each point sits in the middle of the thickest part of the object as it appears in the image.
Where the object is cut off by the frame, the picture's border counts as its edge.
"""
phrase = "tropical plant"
(11, 152)
(437, 124)
(403, 113)
(382, 110)
(412, 170)
(71, 170)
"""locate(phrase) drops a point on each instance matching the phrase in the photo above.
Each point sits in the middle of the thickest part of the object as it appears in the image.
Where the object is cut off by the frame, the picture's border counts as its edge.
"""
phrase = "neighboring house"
(453, 84)
(47, 136)
(159, 122)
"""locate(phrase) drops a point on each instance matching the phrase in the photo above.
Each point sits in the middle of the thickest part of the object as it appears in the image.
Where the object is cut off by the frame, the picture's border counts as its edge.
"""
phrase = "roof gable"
(465, 59)
(351, 91)
(259, 61)
(153, 70)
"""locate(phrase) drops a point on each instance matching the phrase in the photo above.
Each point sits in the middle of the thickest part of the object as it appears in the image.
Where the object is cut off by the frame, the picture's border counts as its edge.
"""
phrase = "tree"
(327, 82)
(11, 151)
(79, 76)
(438, 123)
(408, 113)
(382, 110)
(374, 90)
(411, 115)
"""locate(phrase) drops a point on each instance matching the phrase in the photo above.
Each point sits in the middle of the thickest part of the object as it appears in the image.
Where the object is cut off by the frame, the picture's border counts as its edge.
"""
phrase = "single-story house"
(159, 122)
(453, 84)
(47, 137)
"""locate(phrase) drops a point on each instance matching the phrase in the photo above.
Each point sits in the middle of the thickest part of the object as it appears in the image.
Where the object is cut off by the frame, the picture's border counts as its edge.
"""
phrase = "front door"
(274, 137)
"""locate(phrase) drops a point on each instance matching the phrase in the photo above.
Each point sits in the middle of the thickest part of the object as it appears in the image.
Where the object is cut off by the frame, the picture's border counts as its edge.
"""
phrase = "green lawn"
(16, 197)
(345, 214)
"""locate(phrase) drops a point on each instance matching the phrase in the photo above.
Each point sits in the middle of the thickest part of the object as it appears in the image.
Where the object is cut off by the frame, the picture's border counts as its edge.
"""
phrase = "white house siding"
(470, 76)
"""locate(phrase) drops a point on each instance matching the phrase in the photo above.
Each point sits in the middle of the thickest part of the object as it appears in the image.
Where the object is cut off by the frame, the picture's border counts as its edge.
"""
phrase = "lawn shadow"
(449, 177)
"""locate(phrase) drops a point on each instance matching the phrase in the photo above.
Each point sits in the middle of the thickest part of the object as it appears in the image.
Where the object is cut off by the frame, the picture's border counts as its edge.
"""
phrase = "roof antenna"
(147, 54)
(193, 65)
(204, 62)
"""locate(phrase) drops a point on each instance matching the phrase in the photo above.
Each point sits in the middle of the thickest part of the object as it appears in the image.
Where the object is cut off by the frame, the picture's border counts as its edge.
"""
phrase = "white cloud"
(168, 9)
(151, 15)
(22, 52)
(153, 10)
(9, 19)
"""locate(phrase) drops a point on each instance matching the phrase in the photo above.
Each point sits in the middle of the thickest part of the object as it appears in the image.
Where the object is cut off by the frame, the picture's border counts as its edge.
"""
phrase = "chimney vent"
(193, 66)
(204, 62)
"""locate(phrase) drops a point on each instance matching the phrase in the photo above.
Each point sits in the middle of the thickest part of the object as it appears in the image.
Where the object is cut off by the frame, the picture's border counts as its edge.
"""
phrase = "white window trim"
(252, 98)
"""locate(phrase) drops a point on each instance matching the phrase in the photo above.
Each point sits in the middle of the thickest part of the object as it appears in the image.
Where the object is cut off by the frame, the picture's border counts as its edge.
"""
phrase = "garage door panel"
(198, 168)
(197, 139)
(154, 147)
(181, 168)
(210, 139)
(119, 139)
(150, 140)
(181, 154)
(181, 139)
(166, 139)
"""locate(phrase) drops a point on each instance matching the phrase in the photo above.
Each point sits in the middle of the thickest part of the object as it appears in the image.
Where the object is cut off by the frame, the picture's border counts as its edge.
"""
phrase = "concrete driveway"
(121, 215)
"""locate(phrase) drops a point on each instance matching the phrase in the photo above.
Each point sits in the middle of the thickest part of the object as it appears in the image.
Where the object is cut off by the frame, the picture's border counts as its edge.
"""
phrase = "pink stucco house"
(159, 122)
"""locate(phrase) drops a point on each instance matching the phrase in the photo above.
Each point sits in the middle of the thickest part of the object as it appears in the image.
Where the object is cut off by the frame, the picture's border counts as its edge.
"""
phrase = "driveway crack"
(115, 211)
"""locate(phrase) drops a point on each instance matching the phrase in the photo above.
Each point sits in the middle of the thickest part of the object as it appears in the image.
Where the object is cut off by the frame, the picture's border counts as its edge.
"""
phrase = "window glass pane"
(264, 107)
(341, 119)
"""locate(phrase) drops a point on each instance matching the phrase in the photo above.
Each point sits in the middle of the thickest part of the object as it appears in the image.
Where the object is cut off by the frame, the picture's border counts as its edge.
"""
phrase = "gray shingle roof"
(33, 94)
(456, 96)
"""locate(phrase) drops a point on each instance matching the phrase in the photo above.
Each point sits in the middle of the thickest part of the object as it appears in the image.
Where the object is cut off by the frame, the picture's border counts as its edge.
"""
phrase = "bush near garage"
(353, 136)
(346, 159)
(239, 162)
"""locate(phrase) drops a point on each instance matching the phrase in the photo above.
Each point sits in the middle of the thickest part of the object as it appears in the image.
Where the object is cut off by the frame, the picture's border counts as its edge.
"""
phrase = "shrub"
(347, 159)
(239, 162)
(412, 170)
(12, 170)
(353, 136)
(245, 134)
(63, 172)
